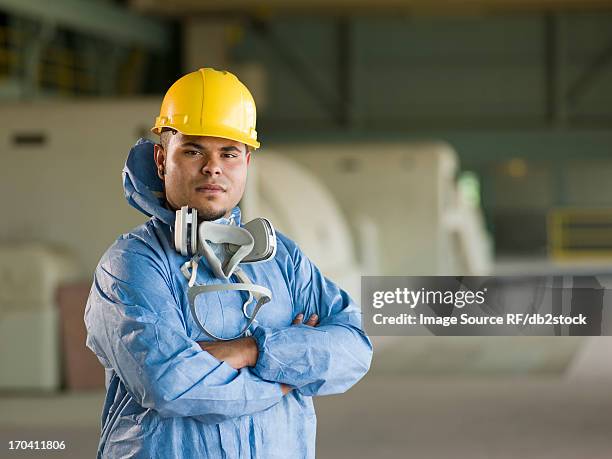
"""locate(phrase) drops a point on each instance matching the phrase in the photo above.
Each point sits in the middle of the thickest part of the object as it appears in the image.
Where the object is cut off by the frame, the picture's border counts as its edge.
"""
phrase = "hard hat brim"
(220, 133)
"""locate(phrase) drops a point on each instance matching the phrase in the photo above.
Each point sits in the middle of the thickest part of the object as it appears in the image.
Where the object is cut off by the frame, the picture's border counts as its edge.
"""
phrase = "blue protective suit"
(166, 398)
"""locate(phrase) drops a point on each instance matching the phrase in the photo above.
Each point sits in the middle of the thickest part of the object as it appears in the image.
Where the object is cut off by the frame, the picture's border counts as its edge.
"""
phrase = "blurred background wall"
(400, 137)
(520, 90)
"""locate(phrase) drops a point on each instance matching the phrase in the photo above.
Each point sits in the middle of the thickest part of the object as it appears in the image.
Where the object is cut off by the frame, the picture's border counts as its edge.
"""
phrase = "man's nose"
(212, 166)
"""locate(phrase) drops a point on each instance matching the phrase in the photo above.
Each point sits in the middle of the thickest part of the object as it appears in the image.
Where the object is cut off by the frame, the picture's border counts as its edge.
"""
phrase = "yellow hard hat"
(212, 103)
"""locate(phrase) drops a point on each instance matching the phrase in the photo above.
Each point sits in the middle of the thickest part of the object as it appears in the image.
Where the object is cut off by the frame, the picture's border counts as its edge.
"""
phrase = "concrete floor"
(467, 419)
(426, 398)
(387, 416)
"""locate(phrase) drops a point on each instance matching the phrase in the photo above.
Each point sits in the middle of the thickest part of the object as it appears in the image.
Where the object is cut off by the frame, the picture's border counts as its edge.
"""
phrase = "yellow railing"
(65, 70)
(579, 233)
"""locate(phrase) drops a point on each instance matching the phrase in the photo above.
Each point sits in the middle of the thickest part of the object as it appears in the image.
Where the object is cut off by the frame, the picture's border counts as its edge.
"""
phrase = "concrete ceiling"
(104, 19)
(323, 7)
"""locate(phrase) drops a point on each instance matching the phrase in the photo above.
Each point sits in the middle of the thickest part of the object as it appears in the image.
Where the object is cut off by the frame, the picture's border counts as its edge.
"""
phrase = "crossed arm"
(243, 352)
(136, 329)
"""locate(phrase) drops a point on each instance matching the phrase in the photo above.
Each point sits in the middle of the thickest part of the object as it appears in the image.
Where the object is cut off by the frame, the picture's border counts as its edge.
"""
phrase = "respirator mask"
(225, 247)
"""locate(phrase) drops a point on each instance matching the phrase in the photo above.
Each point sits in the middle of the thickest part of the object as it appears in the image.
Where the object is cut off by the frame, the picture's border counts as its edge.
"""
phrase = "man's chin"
(209, 214)
(206, 211)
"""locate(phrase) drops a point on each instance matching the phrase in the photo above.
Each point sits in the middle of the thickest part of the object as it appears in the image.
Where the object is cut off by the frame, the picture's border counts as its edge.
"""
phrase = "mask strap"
(242, 277)
(264, 294)
(193, 264)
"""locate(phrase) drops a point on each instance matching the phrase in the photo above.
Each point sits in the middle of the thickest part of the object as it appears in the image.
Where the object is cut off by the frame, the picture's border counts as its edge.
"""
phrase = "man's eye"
(192, 153)
(230, 155)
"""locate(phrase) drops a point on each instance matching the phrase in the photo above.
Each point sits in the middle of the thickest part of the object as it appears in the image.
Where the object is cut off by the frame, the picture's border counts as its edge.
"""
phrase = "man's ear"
(248, 156)
(160, 160)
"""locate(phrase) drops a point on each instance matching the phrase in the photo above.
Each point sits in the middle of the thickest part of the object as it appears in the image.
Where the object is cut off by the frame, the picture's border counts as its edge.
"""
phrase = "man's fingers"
(298, 319)
(286, 389)
(313, 320)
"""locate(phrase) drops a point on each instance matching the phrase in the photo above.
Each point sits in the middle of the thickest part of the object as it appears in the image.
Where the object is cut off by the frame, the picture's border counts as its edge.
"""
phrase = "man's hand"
(238, 353)
(286, 389)
(312, 321)
(243, 352)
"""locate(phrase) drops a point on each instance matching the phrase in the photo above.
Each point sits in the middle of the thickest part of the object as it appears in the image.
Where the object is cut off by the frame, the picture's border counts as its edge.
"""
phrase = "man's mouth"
(212, 189)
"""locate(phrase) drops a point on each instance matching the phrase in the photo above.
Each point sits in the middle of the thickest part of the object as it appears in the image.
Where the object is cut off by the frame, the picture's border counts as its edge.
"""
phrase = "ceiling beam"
(96, 18)
(355, 7)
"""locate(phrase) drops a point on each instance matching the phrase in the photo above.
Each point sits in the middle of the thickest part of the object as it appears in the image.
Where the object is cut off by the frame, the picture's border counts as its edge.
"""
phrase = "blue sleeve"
(136, 327)
(327, 359)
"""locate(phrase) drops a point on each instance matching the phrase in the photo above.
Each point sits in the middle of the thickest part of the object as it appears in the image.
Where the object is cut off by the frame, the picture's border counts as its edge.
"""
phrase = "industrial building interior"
(399, 138)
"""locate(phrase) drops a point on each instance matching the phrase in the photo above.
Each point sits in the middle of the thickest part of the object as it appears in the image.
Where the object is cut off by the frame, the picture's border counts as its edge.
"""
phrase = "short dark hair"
(164, 136)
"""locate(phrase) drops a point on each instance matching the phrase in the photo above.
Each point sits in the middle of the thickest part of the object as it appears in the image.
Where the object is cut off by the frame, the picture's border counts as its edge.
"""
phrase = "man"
(173, 392)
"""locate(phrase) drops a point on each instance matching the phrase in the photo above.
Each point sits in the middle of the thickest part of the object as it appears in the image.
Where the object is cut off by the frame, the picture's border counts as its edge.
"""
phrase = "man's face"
(205, 173)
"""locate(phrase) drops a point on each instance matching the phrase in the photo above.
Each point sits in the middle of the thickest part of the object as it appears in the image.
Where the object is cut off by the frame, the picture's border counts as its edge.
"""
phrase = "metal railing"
(64, 71)
(579, 233)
